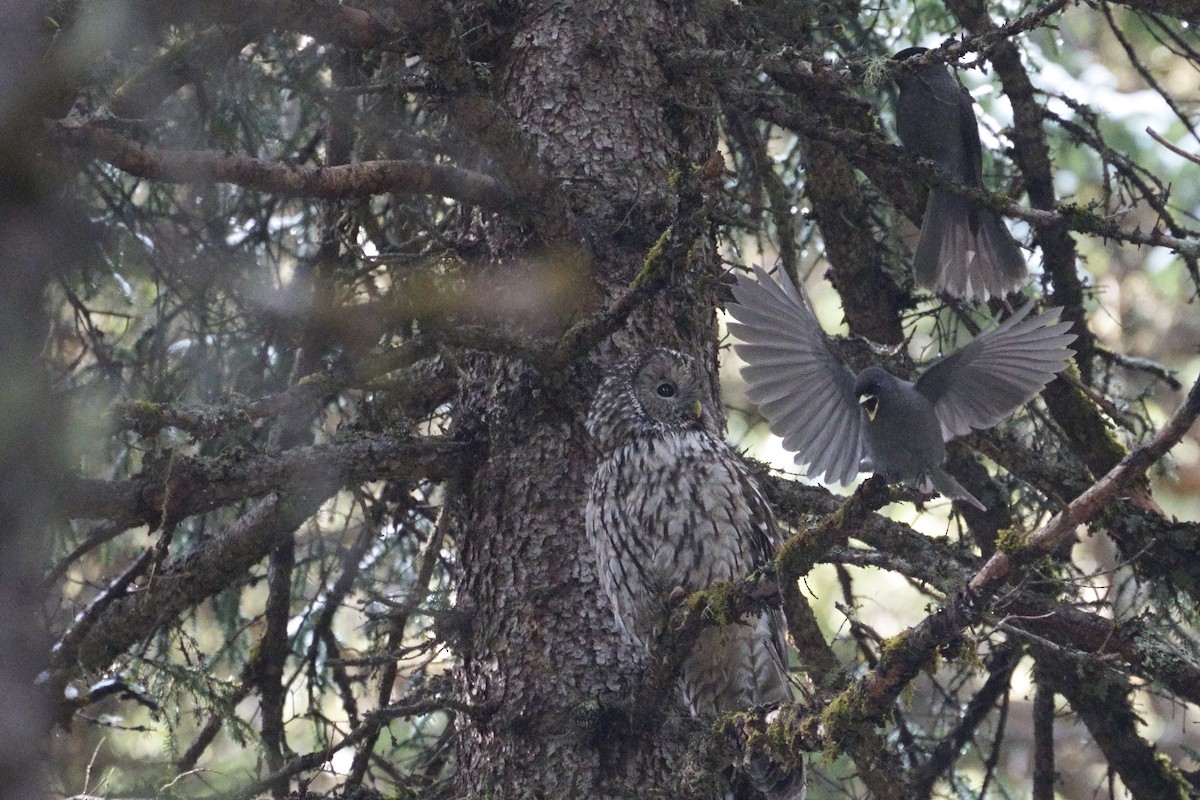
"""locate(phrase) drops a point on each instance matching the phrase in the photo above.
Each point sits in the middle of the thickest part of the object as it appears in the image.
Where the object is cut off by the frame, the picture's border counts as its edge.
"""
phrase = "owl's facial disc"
(687, 410)
(667, 390)
(870, 404)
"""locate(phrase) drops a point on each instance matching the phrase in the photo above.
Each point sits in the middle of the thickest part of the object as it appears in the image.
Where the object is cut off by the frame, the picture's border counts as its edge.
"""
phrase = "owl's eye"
(666, 390)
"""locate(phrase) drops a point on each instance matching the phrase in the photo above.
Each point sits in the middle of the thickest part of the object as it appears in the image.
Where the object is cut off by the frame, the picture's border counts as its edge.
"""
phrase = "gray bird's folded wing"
(800, 385)
(997, 372)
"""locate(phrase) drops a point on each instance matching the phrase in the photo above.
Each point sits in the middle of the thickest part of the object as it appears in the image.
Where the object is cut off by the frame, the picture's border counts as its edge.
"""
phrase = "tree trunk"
(39, 234)
(540, 654)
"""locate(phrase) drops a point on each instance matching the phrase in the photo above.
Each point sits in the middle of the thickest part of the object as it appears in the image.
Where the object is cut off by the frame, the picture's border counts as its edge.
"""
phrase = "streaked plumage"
(671, 507)
(964, 251)
(839, 423)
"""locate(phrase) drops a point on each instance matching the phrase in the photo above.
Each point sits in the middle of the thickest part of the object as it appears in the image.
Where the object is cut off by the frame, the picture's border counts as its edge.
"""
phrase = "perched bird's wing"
(968, 131)
(801, 386)
(997, 372)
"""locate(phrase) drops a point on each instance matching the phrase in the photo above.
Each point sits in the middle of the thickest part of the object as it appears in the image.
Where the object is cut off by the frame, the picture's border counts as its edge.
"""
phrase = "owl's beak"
(697, 409)
(870, 404)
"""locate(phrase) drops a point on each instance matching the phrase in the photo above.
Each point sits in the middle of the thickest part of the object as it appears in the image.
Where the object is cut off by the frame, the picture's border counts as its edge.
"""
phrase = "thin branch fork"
(951, 50)
(311, 760)
(1085, 507)
(1071, 216)
(888, 164)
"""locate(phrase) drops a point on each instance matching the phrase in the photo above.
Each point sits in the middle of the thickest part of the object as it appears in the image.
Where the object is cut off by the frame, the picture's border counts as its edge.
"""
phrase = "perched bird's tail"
(937, 479)
(966, 251)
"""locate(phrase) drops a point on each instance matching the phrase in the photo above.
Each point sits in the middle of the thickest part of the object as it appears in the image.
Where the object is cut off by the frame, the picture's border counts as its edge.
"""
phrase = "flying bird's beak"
(697, 409)
(870, 404)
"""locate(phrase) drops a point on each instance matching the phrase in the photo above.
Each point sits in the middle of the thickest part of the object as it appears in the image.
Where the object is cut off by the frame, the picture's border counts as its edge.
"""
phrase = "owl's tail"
(774, 781)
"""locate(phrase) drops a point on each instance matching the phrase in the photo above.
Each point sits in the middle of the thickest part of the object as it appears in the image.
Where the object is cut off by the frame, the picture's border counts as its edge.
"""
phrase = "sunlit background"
(129, 331)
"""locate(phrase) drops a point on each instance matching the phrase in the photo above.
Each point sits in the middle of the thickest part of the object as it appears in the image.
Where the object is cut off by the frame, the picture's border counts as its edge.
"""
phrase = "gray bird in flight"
(840, 424)
(964, 250)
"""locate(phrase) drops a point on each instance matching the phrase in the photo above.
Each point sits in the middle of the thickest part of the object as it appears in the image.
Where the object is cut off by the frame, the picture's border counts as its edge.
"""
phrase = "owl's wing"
(800, 385)
(767, 666)
(997, 371)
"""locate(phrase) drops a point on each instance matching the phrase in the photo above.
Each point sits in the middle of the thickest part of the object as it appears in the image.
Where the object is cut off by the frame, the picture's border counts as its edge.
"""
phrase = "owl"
(671, 507)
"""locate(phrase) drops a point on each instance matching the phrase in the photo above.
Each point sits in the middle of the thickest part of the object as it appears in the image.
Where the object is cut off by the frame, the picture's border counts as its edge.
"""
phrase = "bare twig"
(1156, 136)
(327, 183)
(1085, 507)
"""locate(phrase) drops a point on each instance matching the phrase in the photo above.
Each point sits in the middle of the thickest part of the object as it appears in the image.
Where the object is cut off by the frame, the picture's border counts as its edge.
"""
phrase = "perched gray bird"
(671, 507)
(840, 423)
(964, 251)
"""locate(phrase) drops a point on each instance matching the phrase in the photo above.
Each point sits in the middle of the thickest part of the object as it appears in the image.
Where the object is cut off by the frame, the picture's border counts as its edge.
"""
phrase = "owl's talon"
(677, 596)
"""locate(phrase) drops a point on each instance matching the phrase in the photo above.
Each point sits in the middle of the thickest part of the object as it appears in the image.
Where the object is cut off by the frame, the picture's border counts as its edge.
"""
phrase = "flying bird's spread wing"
(997, 372)
(802, 387)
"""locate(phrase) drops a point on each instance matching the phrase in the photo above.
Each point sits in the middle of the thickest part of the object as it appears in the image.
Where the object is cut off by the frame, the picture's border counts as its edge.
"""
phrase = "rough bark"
(584, 83)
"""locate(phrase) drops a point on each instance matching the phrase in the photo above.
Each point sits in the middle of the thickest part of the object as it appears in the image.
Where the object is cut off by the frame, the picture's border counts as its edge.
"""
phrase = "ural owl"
(671, 507)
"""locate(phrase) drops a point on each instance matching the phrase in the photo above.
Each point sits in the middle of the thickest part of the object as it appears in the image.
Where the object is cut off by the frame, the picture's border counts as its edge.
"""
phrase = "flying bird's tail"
(937, 479)
(966, 252)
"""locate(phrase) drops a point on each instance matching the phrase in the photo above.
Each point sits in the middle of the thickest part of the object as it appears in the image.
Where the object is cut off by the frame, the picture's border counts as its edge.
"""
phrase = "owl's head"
(670, 389)
(651, 393)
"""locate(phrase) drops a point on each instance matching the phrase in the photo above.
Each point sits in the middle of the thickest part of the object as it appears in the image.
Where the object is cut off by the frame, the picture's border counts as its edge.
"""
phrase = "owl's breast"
(671, 512)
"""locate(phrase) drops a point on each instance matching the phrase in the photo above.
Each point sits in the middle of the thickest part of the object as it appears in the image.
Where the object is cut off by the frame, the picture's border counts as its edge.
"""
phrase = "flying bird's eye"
(666, 390)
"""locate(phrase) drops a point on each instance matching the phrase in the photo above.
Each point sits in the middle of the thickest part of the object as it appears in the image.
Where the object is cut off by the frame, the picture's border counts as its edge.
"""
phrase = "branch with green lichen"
(1088, 505)
(599, 325)
(1026, 612)
(850, 719)
(798, 555)
(670, 253)
(638, 718)
(1103, 699)
(804, 548)
(785, 733)
(796, 728)
(867, 702)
